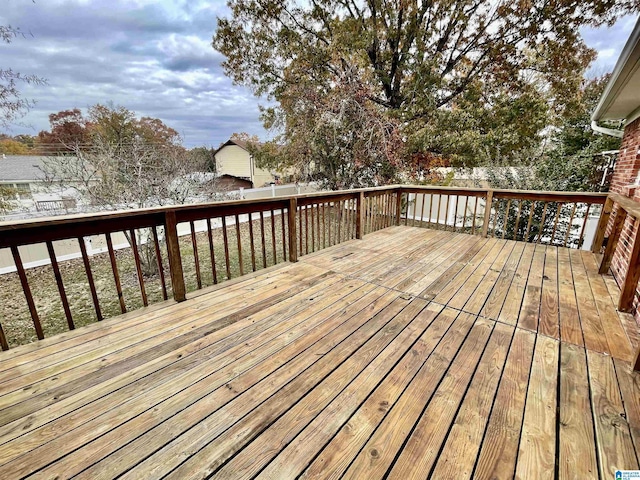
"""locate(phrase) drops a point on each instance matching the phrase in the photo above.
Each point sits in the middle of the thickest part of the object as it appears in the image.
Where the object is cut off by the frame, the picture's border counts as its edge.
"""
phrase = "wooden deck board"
(411, 353)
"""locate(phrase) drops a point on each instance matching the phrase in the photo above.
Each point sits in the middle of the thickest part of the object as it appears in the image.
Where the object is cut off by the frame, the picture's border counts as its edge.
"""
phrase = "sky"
(155, 57)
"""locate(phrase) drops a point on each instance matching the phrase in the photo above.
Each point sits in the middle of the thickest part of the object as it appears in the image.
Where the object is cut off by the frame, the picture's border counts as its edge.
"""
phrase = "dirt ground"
(14, 313)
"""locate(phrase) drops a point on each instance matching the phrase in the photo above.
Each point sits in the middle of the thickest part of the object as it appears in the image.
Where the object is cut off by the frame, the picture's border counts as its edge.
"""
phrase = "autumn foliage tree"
(422, 63)
(129, 162)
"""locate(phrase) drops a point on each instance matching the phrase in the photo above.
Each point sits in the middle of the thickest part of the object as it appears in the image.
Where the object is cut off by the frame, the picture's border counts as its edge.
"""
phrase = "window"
(23, 190)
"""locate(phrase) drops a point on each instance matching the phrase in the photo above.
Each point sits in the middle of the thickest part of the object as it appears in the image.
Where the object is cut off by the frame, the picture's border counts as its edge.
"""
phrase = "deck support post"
(487, 213)
(631, 278)
(175, 260)
(398, 206)
(293, 238)
(360, 216)
(612, 243)
(601, 229)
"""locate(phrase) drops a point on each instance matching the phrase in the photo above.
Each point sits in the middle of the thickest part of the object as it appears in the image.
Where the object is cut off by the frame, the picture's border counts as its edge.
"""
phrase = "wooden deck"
(410, 354)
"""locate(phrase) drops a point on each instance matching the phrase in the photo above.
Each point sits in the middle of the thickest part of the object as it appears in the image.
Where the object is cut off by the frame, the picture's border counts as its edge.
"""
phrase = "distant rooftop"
(21, 167)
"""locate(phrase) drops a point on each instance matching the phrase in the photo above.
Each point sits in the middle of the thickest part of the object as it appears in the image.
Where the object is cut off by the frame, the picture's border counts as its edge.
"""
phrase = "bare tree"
(110, 176)
(13, 105)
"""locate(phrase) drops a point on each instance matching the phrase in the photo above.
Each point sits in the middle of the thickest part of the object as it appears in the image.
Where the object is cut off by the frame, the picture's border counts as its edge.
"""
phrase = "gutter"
(625, 68)
(606, 131)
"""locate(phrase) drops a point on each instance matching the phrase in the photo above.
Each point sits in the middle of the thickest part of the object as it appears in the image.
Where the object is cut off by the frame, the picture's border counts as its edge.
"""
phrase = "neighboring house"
(621, 101)
(23, 174)
(234, 159)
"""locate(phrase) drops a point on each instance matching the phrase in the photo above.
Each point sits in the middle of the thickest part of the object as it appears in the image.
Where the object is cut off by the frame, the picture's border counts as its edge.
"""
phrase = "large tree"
(458, 76)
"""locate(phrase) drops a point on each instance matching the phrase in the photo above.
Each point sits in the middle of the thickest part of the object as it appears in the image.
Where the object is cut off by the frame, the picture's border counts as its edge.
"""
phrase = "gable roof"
(621, 97)
(21, 168)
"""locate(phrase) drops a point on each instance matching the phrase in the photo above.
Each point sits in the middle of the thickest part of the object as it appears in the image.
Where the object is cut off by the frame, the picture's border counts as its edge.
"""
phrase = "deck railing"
(226, 240)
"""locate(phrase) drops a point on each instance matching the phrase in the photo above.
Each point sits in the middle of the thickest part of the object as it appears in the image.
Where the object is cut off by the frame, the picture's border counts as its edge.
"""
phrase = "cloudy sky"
(155, 57)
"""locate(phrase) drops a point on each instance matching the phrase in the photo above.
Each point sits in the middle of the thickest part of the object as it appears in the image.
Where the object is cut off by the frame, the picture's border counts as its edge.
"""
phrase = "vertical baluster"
(212, 252)
(252, 243)
(116, 275)
(306, 228)
(438, 210)
(347, 219)
(584, 225)
(383, 209)
(239, 242)
(324, 225)
(27, 292)
(544, 215)
(136, 258)
(566, 235)
(515, 230)
(61, 291)
(475, 211)
(92, 285)
(300, 243)
(313, 228)
(430, 209)
(339, 229)
(506, 217)
(406, 213)
(446, 213)
(495, 220)
(225, 239)
(464, 212)
(354, 214)
(292, 213)
(424, 201)
(264, 246)
(455, 214)
(3, 339)
(330, 208)
(318, 225)
(156, 245)
(273, 237)
(486, 219)
(415, 209)
(555, 223)
(196, 257)
(284, 235)
(528, 230)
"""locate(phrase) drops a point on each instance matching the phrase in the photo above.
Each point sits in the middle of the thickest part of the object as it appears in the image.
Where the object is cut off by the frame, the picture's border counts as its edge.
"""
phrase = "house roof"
(239, 143)
(621, 97)
(21, 168)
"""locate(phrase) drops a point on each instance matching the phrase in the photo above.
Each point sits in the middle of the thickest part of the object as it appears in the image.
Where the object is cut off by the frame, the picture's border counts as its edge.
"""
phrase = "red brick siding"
(625, 173)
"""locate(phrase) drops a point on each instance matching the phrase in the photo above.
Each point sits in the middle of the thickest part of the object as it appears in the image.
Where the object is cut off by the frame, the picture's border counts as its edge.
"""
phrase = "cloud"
(152, 57)
(155, 58)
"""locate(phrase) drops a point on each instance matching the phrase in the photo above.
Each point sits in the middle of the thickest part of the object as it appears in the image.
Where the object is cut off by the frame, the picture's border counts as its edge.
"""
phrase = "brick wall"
(626, 172)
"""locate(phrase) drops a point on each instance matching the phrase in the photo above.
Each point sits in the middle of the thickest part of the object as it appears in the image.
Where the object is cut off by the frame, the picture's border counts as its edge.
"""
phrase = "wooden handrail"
(296, 224)
(626, 207)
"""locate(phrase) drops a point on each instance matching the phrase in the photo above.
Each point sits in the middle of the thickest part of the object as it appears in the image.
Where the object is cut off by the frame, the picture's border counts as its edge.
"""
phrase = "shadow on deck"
(412, 353)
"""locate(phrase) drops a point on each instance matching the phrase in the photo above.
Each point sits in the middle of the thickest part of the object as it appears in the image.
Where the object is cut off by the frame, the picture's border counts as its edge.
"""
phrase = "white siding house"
(233, 158)
(24, 175)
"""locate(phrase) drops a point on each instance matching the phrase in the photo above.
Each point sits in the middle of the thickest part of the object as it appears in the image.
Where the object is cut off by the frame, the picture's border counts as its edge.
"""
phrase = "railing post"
(631, 278)
(175, 260)
(598, 239)
(293, 238)
(487, 213)
(612, 243)
(360, 216)
(398, 206)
